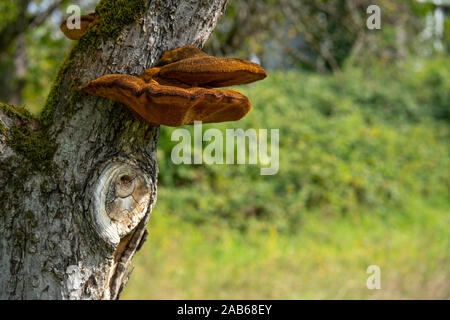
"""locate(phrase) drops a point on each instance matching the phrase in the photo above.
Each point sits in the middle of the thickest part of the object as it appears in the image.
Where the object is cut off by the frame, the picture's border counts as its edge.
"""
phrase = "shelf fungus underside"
(170, 105)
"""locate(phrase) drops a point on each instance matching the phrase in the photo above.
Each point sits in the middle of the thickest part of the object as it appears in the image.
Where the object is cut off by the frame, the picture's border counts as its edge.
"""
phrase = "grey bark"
(71, 232)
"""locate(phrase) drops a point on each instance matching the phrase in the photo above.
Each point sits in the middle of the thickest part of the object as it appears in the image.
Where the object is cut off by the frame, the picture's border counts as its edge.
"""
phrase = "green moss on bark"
(113, 15)
(2, 128)
(53, 98)
(35, 146)
(15, 112)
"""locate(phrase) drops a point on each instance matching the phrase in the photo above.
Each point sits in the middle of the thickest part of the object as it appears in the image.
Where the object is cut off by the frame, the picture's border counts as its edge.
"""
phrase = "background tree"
(20, 22)
(61, 234)
(316, 35)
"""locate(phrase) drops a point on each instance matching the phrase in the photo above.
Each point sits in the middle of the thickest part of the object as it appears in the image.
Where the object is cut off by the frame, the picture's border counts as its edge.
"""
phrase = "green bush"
(357, 140)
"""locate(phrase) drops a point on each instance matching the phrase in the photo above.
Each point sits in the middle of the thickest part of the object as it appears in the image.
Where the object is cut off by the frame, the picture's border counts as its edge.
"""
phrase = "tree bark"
(79, 183)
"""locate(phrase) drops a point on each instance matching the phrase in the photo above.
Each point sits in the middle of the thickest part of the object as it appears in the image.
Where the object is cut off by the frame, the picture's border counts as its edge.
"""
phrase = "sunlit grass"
(326, 259)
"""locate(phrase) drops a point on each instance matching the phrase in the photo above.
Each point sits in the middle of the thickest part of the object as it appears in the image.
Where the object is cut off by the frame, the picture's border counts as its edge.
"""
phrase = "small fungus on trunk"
(77, 33)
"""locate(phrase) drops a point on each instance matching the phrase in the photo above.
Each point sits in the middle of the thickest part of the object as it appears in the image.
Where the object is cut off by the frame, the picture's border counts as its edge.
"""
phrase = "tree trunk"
(78, 184)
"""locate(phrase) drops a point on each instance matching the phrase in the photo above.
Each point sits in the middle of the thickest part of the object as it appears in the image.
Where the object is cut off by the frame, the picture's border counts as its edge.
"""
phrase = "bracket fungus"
(168, 105)
(189, 66)
(77, 33)
(181, 90)
(181, 53)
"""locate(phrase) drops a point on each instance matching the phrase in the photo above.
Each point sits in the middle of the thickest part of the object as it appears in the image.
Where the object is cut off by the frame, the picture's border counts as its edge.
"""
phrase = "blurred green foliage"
(31, 48)
(348, 142)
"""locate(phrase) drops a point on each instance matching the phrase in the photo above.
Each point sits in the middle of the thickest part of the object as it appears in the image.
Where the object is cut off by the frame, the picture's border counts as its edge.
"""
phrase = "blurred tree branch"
(23, 21)
(319, 35)
(18, 21)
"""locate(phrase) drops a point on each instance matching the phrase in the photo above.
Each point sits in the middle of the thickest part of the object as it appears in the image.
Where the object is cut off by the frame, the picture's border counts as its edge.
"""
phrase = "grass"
(326, 259)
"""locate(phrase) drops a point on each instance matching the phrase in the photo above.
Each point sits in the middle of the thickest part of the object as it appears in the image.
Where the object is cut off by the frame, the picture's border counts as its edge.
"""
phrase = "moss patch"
(47, 114)
(113, 15)
(35, 146)
(15, 112)
(2, 128)
(116, 14)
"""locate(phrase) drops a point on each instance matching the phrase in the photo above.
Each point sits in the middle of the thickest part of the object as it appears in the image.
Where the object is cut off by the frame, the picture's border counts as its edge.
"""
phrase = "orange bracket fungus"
(77, 33)
(168, 105)
(180, 91)
(189, 66)
(181, 53)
